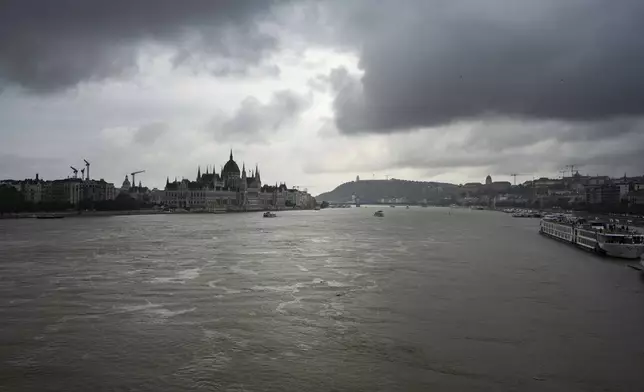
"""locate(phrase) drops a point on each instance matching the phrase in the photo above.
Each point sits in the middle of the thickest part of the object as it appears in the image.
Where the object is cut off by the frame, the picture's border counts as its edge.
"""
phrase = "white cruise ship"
(603, 238)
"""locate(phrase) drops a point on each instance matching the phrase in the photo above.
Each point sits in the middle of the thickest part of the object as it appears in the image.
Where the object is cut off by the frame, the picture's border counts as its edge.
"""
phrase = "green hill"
(372, 191)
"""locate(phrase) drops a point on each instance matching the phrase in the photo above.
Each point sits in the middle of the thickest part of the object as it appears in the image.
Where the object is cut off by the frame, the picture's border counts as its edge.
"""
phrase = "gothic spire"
(231, 154)
(198, 172)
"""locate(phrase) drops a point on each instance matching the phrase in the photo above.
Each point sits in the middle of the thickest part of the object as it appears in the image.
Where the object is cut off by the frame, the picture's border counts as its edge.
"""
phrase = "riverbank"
(74, 214)
(77, 214)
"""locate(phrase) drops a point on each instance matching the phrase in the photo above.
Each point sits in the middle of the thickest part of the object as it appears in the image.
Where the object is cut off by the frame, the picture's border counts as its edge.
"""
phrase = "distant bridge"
(342, 204)
(355, 201)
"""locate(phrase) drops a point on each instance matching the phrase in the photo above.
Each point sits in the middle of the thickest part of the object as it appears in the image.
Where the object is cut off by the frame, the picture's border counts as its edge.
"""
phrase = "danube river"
(332, 300)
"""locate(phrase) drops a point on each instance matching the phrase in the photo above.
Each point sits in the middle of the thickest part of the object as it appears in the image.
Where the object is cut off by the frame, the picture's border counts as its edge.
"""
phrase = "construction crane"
(75, 171)
(572, 169)
(87, 166)
(134, 174)
(563, 173)
(83, 173)
(518, 174)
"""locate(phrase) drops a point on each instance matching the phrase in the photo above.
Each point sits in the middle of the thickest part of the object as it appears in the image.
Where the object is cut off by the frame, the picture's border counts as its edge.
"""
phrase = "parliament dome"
(231, 166)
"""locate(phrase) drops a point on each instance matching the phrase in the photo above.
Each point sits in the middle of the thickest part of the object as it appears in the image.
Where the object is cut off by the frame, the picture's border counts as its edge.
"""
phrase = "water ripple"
(313, 301)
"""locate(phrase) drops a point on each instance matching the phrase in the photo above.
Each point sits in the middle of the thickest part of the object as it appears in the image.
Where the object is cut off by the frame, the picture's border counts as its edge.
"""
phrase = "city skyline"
(521, 178)
(317, 94)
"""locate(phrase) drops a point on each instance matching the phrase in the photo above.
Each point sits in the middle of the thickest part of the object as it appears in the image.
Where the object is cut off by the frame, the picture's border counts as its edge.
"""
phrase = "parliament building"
(230, 190)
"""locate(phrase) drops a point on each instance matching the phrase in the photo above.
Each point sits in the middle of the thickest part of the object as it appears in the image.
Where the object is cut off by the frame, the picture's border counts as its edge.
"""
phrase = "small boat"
(407, 207)
(269, 214)
(379, 214)
(392, 206)
(50, 216)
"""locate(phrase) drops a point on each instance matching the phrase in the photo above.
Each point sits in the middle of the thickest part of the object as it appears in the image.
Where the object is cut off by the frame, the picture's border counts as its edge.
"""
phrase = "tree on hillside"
(122, 202)
(11, 199)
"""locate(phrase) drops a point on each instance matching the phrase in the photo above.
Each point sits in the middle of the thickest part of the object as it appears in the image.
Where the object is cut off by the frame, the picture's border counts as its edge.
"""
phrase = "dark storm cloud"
(51, 45)
(253, 118)
(428, 63)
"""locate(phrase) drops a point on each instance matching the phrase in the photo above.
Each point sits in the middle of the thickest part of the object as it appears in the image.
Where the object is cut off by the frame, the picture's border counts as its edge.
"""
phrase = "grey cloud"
(318, 83)
(47, 46)
(149, 133)
(253, 118)
(428, 63)
(497, 135)
(18, 167)
(535, 147)
(606, 147)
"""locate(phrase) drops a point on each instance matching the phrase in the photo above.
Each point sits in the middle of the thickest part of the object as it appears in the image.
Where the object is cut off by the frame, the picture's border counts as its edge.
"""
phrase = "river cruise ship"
(603, 238)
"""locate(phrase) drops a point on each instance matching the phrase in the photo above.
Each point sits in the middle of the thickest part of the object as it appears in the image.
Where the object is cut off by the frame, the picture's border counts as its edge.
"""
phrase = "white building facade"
(299, 199)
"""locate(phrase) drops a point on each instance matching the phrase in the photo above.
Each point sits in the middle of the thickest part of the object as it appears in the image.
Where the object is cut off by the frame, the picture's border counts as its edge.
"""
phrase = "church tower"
(126, 185)
(259, 181)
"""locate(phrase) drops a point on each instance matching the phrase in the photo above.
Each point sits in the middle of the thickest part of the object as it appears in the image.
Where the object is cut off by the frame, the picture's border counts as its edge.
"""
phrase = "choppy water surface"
(332, 300)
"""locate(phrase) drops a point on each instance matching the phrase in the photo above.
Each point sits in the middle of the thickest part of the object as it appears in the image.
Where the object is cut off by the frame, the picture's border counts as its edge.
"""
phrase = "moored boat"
(269, 214)
(49, 216)
(600, 237)
(520, 213)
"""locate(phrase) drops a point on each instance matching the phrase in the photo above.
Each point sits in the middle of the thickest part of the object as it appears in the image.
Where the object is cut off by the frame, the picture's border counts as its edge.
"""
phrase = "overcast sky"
(319, 92)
